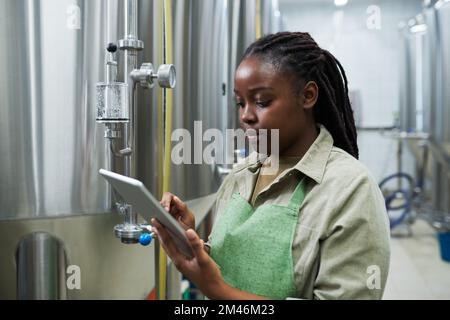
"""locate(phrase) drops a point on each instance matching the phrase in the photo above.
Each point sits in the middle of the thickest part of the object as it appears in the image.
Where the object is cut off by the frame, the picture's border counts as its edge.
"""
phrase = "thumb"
(197, 246)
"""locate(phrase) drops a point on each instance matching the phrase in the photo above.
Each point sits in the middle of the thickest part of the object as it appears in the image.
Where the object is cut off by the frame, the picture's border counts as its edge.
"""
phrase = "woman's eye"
(263, 104)
(239, 104)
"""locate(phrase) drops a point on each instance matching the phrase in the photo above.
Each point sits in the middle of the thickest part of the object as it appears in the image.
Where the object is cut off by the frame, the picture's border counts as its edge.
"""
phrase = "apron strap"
(298, 196)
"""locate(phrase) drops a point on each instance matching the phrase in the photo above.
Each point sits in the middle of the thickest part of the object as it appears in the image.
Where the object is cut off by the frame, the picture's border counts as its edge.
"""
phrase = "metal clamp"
(112, 132)
(131, 44)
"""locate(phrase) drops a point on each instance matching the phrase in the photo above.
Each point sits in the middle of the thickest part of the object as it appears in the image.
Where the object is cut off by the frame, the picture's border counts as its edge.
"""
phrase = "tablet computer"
(136, 194)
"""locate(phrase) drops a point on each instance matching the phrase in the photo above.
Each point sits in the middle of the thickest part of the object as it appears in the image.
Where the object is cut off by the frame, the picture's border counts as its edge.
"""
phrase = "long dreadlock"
(299, 55)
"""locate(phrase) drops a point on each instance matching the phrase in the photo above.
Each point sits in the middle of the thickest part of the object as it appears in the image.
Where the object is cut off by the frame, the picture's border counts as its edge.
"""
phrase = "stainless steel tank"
(51, 59)
(443, 27)
(41, 268)
(210, 38)
(404, 88)
(431, 84)
(442, 135)
(271, 18)
(424, 99)
(415, 111)
(52, 56)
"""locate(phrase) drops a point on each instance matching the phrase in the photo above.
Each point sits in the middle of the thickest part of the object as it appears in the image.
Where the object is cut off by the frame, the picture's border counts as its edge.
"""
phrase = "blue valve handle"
(145, 239)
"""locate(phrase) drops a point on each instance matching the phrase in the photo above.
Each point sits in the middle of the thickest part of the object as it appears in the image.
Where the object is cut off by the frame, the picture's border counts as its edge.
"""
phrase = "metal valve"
(146, 76)
(147, 235)
(145, 239)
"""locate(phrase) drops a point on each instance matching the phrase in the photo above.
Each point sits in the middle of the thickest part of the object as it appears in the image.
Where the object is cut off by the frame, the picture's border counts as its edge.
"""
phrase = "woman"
(317, 228)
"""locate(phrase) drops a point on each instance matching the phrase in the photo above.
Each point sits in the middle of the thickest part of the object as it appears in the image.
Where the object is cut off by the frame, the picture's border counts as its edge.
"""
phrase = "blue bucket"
(444, 243)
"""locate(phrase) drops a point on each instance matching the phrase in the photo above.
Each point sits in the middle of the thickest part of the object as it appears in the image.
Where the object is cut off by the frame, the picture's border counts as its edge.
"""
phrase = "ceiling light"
(340, 3)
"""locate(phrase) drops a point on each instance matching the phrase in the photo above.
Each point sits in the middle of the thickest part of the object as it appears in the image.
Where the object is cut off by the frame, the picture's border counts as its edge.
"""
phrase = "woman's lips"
(254, 136)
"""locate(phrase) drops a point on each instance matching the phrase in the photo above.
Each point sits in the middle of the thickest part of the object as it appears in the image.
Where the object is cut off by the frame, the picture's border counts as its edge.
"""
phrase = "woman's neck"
(302, 145)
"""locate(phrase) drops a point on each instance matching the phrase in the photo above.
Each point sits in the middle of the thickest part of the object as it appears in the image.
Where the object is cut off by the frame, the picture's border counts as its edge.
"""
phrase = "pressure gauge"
(167, 76)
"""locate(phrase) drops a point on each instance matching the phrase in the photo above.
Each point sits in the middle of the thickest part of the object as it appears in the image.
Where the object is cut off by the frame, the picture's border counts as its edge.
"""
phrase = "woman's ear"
(310, 93)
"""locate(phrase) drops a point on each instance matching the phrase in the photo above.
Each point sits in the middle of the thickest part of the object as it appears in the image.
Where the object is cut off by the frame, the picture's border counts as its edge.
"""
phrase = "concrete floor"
(417, 270)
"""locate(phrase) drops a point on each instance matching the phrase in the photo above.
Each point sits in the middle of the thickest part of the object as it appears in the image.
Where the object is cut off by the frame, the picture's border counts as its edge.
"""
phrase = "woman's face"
(267, 99)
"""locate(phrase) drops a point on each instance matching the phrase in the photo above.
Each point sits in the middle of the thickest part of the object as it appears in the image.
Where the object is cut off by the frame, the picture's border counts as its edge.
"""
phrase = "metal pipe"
(41, 268)
(110, 76)
(111, 69)
(130, 129)
(130, 134)
(130, 216)
(131, 19)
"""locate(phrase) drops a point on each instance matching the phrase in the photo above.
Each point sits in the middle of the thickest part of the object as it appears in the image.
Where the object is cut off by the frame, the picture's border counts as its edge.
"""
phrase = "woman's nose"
(248, 114)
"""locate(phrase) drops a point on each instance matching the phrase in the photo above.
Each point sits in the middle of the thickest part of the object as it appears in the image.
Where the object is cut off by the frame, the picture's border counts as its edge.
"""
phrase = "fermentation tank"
(424, 99)
(52, 57)
(442, 135)
(415, 101)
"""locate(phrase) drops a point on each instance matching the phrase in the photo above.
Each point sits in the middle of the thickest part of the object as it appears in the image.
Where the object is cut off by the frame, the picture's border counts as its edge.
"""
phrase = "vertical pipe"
(131, 15)
(130, 216)
(130, 136)
(168, 42)
(41, 268)
(168, 94)
(258, 24)
(158, 25)
(109, 11)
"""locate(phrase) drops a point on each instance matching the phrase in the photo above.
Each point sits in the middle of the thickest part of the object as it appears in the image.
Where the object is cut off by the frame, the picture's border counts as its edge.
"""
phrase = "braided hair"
(297, 54)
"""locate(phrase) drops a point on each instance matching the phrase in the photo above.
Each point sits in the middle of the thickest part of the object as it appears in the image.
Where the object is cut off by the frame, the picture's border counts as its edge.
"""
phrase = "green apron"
(253, 248)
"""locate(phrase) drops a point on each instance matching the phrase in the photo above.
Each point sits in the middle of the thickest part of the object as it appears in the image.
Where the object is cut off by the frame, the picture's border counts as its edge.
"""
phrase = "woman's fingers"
(180, 205)
(187, 217)
(184, 225)
(166, 240)
(166, 200)
(173, 205)
(198, 247)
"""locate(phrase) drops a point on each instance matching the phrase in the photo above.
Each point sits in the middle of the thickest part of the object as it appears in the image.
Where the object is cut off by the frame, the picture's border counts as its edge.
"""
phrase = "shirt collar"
(315, 160)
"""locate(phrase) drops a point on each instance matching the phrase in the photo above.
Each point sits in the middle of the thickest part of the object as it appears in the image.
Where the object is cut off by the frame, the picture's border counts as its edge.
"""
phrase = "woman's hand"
(179, 210)
(201, 270)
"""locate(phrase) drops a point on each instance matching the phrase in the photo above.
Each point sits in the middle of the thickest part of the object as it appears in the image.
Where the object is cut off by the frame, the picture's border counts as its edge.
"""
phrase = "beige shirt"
(266, 175)
(341, 245)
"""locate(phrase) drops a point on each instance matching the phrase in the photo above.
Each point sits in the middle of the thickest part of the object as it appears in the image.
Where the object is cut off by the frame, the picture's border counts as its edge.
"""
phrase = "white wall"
(369, 51)
(367, 47)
